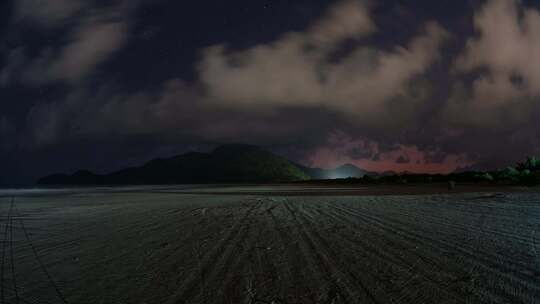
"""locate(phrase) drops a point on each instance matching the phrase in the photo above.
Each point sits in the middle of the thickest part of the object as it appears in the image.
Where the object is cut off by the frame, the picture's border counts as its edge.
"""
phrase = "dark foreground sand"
(286, 244)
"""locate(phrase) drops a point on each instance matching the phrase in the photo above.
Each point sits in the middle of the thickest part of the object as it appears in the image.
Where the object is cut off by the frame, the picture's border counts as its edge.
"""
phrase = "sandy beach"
(268, 244)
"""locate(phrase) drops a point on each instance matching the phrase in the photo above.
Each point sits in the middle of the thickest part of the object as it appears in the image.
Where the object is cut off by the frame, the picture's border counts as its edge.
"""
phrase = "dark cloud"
(261, 84)
(93, 37)
(352, 85)
(402, 159)
(399, 158)
(7, 134)
(47, 13)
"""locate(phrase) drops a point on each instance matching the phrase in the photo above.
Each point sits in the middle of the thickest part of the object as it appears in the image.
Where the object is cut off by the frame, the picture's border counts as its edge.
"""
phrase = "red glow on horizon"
(417, 161)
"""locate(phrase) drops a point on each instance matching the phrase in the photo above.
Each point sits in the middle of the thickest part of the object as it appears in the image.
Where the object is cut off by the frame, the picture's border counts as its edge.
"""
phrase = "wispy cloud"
(97, 33)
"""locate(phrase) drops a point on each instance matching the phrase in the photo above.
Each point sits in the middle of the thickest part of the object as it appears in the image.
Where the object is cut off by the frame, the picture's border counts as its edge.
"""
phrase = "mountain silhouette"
(226, 164)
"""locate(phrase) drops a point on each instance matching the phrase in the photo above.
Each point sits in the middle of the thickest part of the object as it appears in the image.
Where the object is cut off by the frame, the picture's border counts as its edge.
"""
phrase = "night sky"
(419, 86)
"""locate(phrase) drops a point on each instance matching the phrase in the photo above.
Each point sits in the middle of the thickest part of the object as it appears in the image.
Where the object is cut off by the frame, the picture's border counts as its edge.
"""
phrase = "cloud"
(96, 35)
(349, 19)
(7, 131)
(294, 91)
(44, 123)
(175, 110)
(47, 13)
(91, 44)
(297, 70)
(277, 92)
(16, 60)
(503, 58)
(402, 159)
(339, 149)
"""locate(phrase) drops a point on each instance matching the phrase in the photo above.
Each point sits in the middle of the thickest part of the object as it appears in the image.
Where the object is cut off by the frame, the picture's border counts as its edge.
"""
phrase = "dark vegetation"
(525, 173)
(251, 164)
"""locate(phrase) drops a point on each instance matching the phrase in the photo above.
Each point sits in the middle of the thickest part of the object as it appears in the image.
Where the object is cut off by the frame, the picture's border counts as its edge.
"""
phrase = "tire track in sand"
(12, 256)
(221, 252)
(401, 257)
(40, 262)
(345, 283)
(486, 263)
(295, 256)
(7, 241)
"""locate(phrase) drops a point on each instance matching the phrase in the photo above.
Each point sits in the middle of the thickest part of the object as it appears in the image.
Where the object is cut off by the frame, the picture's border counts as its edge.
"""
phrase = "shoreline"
(348, 190)
(285, 189)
